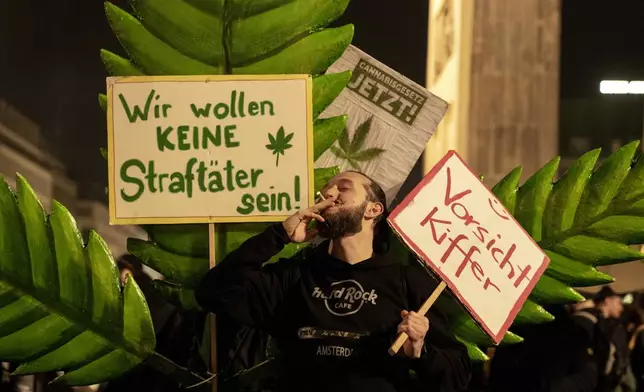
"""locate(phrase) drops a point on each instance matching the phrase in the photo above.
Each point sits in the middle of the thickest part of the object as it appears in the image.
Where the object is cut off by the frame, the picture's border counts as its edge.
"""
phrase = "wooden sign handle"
(213, 324)
(402, 337)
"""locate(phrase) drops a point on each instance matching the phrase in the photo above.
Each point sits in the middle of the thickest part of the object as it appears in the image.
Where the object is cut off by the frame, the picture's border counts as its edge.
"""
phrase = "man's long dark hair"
(376, 194)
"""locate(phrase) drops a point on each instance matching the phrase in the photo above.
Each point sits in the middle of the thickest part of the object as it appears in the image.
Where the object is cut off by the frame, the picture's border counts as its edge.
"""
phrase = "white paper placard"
(391, 120)
(206, 149)
(463, 233)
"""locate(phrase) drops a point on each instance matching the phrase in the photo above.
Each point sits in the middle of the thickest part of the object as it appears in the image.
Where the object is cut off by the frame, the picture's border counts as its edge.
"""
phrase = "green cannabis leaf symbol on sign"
(350, 150)
(279, 143)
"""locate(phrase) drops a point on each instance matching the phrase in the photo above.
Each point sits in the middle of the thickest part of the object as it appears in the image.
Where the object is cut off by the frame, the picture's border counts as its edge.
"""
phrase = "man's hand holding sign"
(415, 326)
(460, 230)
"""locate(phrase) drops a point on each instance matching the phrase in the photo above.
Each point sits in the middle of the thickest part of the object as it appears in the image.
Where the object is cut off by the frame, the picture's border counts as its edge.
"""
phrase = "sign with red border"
(464, 234)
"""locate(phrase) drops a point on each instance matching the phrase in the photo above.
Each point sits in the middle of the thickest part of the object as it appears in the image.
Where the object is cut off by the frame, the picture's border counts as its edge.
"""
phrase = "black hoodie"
(332, 320)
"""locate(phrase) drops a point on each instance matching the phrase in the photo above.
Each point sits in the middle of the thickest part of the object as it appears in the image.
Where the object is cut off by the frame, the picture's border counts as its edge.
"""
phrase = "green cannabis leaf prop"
(180, 37)
(585, 219)
(351, 150)
(61, 305)
(279, 144)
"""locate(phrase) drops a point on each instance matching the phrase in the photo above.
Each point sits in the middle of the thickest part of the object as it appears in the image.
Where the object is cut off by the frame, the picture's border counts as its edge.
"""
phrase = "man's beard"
(342, 223)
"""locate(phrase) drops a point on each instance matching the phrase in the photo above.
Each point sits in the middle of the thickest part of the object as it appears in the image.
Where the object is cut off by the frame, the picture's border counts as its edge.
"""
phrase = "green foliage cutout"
(61, 304)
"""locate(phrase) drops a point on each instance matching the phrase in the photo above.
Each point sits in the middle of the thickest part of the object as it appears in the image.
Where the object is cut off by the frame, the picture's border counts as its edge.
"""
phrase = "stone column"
(496, 62)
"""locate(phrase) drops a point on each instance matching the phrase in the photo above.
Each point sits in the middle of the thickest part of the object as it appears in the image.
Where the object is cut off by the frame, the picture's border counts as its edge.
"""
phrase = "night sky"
(600, 40)
(51, 70)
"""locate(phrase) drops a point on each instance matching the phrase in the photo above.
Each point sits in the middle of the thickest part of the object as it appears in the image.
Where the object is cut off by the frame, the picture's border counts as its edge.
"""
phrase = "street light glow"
(621, 87)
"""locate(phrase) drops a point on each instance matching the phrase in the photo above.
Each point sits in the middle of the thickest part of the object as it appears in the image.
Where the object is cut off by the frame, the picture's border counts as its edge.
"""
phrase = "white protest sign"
(462, 232)
(209, 149)
(391, 119)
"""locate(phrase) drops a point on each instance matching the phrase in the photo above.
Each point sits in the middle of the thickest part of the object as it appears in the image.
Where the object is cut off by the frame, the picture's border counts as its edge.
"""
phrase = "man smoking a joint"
(335, 311)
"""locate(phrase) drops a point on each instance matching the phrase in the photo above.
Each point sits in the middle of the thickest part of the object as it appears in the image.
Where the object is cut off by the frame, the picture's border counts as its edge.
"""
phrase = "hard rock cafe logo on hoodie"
(345, 298)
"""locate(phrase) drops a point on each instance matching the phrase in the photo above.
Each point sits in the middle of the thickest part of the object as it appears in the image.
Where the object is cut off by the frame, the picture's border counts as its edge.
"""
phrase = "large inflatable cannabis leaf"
(210, 37)
(587, 218)
(61, 305)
